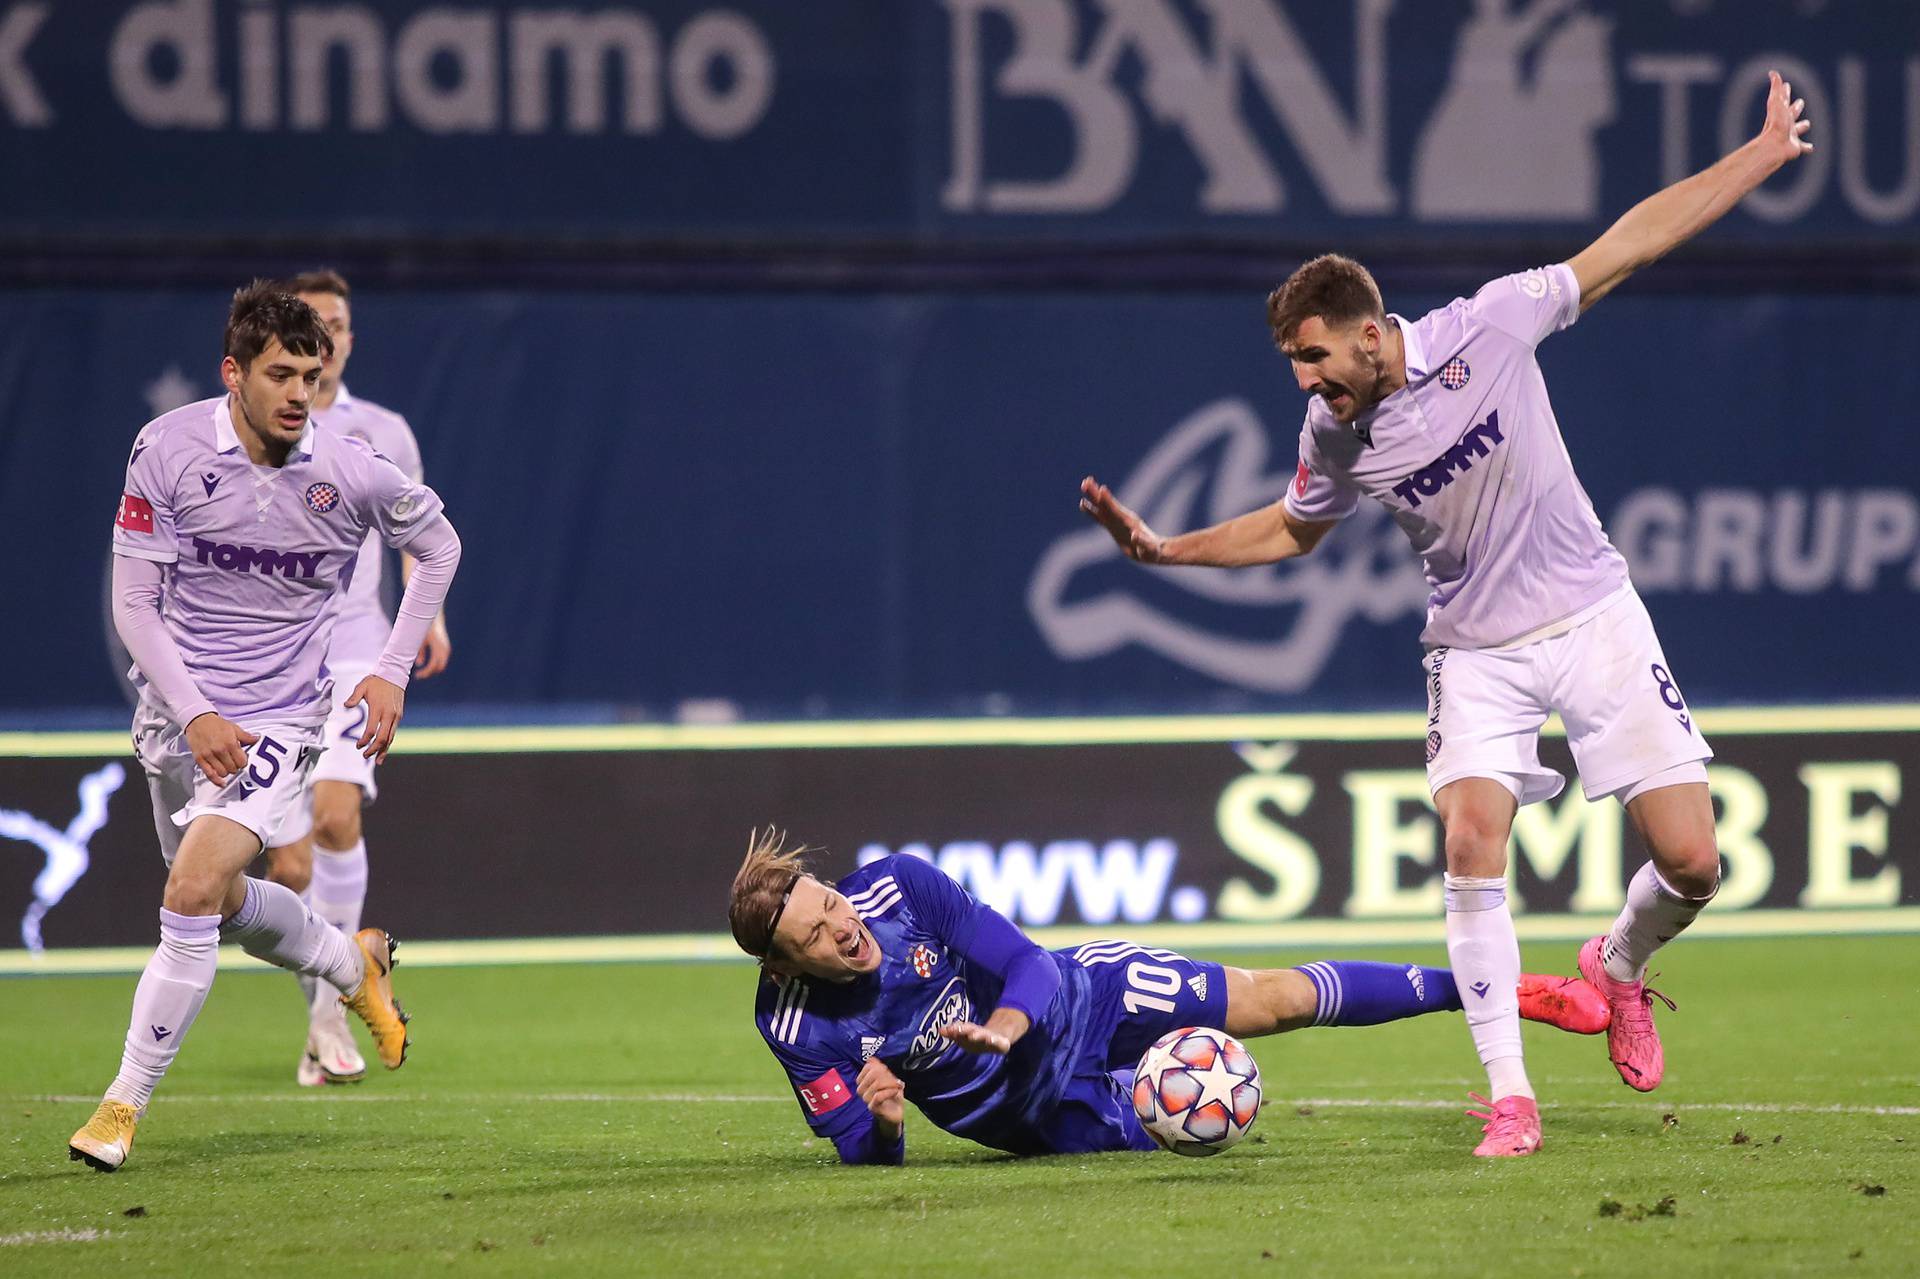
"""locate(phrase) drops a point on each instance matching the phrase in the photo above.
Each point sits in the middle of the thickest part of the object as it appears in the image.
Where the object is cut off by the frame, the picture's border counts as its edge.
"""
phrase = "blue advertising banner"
(807, 505)
(941, 120)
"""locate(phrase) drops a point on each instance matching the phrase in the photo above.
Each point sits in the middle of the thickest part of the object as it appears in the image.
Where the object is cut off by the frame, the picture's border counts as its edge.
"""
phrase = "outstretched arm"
(1265, 536)
(990, 942)
(1662, 222)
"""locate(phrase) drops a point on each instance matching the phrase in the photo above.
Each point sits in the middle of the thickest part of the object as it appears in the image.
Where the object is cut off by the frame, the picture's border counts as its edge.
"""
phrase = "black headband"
(773, 925)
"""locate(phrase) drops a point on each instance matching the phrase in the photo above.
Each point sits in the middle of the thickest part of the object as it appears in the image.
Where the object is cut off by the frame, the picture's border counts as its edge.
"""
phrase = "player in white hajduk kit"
(320, 851)
(238, 526)
(1445, 421)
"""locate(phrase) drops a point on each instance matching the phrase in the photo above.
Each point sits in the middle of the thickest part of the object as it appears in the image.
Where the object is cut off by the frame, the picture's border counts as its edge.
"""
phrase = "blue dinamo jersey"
(945, 958)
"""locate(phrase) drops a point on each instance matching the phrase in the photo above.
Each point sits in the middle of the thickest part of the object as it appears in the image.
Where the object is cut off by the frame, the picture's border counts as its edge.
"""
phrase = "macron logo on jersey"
(247, 559)
(1458, 460)
(135, 514)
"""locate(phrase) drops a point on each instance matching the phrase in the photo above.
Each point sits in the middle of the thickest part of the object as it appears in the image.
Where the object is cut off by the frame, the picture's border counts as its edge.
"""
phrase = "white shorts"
(342, 760)
(261, 797)
(1626, 719)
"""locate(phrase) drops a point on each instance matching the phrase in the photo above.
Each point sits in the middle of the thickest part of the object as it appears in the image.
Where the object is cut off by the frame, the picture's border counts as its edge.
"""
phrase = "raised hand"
(976, 1038)
(1785, 132)
(1139, 542)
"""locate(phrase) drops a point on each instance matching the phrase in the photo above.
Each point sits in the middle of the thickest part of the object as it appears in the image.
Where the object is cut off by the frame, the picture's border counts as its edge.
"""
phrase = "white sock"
(338, 894)
(340, 885)
(165, 1003)
(1654, 915)
(1485, 955)
(275, 925)
(312, 989)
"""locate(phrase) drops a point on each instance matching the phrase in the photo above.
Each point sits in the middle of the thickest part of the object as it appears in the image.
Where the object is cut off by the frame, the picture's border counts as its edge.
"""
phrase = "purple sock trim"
(249, 913)
(188, 925)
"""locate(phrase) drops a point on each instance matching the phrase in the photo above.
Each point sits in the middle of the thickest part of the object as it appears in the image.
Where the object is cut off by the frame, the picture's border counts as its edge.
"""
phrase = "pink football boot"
(1632, 1041)
(1567, 1002)
(1512, 1128)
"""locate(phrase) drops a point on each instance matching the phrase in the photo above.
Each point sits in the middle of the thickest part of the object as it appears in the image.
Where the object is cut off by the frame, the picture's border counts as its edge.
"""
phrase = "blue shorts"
(1135, 995)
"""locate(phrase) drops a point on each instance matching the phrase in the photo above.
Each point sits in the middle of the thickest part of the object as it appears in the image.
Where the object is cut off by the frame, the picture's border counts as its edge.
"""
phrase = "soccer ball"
(1197, 1091)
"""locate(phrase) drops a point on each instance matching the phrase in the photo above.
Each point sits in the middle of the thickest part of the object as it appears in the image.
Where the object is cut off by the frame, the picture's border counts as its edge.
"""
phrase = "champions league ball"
(1197, 1091)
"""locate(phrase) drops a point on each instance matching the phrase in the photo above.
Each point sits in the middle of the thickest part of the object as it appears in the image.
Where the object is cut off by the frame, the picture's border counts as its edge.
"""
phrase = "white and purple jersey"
(258, 553)
(1468, 459)
(363, 625)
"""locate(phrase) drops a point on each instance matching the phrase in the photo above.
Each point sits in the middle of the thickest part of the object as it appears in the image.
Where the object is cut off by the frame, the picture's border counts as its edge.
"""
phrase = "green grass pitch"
(625, 1119)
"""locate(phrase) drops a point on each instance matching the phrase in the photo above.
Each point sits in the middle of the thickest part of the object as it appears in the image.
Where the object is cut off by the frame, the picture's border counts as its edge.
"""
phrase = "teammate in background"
(238, 524)
(1445, 421)
(319, 852)
(874, 988)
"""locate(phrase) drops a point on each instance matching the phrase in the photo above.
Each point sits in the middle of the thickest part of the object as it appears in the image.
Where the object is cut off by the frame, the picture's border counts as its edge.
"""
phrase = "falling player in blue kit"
(895, 985)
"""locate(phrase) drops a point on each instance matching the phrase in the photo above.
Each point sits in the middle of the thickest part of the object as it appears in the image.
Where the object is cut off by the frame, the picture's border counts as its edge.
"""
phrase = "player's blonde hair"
(761, 887)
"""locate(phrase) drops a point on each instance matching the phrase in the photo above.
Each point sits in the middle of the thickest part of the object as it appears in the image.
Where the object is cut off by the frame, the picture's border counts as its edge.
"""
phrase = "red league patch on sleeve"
(829, 1092)
(1300, 478)
(136, 514)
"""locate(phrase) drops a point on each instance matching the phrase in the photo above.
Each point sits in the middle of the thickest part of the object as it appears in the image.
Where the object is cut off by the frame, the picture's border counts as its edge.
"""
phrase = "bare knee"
(1477, 844)
(203, 892)
(1677, 824)
(336, 815)
(1691, 866)
(206, 876)
(1476, 848)
(292, 864)
(1478, 814)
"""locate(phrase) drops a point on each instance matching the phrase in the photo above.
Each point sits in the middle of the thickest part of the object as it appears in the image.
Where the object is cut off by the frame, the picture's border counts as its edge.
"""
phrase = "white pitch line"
(54, 1236)
(655, 1098)
(1737, 1107)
